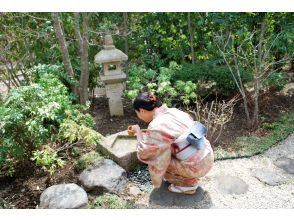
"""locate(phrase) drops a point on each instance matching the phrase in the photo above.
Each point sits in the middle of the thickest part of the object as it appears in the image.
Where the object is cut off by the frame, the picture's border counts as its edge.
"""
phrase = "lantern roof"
(110, 53)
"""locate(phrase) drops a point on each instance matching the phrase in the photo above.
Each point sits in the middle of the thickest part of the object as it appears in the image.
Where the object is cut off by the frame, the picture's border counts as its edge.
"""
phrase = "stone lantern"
(112, 74)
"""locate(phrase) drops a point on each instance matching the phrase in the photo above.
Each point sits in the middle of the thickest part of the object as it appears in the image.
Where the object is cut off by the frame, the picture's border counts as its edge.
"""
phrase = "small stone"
(23, 190)
(269, 177)
(134, 191)
(231, 185)
(286, 164)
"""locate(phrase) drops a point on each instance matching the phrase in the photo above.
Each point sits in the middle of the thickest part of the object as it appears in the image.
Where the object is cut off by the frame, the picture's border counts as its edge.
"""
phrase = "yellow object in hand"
(131, 131)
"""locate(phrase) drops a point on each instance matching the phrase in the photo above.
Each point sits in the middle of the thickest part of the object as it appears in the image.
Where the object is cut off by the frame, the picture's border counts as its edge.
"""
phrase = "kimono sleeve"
(155, 150)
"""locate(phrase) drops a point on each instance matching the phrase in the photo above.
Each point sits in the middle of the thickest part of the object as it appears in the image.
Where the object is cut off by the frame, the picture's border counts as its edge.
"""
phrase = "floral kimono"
(157, 150)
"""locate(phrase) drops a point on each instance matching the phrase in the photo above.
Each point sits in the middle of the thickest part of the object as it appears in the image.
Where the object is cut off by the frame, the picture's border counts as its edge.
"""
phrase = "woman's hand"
(137, 130)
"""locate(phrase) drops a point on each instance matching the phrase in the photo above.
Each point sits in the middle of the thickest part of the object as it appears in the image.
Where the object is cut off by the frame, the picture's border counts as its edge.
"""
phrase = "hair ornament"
(152, 97)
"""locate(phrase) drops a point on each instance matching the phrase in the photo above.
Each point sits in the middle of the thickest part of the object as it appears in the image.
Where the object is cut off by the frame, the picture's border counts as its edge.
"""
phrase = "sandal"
(182, 189)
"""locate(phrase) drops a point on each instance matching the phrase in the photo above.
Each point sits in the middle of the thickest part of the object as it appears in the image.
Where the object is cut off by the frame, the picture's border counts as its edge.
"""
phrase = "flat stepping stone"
(163, 198)
(63, 196)
(286, 164)
(104, 176)
(269, 177)
(231, 185)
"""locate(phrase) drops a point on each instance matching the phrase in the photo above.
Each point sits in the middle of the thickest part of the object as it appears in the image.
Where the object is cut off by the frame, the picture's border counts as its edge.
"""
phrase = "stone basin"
(121, 148)
(124, 144)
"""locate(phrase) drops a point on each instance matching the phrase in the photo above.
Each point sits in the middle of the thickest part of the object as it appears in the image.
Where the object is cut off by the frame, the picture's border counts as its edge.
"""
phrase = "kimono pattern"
(156, 150)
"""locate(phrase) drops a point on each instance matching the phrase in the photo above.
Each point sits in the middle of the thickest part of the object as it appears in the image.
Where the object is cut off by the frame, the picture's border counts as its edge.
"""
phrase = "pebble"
(141, 178)
(134, 191)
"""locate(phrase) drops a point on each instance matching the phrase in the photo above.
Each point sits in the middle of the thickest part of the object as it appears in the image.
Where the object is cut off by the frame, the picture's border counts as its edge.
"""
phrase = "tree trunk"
(125, 15)
(63, 47)
(191, 37)
(257, 74)
(245, 103)
(84, 79)
(83, 52)
(256, 106)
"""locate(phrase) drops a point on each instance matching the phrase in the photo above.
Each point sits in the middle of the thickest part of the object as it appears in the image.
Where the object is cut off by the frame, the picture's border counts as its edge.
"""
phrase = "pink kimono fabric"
(156, 150)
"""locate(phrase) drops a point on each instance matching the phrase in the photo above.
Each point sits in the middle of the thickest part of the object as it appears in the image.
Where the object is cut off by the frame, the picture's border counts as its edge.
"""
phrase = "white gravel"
(259, 195)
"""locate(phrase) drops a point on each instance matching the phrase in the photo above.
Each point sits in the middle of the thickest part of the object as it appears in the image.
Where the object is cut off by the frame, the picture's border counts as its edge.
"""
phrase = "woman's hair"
(146, 101)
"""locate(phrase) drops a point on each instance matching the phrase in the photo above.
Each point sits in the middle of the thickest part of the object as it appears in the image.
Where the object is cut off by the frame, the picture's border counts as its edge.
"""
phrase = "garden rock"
(104, 176)
(64, 196)
(231, 185)
(286, 164)
(269, 177)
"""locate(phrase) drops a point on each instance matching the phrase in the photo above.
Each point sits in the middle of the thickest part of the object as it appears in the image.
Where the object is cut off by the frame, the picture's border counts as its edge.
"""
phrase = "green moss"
(109, 201)
(87, 160)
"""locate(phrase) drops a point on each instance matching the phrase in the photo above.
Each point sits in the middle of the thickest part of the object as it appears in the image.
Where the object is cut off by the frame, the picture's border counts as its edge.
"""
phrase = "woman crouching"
(174, 145)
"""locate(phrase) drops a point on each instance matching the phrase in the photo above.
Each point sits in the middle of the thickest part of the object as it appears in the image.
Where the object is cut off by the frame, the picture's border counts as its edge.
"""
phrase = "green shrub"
(48, 159)
(35, 115)
(160, 83)
(276, 80)
(211, 70)
(55, 70)
(152, 61)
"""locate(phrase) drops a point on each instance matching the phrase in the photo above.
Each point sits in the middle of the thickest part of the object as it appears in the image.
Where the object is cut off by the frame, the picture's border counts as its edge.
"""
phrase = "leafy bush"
(276, 80)
(56, 70)
(35, 115)
(211, 70)
(160, 83)
(152, 61)
(48, 159)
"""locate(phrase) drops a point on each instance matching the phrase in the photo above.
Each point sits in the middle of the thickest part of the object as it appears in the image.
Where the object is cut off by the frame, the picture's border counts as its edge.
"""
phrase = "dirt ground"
(271, 106)
(25, 190)
(105, 124)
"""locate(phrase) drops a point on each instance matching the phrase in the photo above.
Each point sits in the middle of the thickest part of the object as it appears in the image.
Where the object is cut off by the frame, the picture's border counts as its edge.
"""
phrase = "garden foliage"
(161, 83)
(34, 117)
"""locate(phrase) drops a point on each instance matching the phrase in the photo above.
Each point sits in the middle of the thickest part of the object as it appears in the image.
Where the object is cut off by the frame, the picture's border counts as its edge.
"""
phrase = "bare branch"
(270, 47)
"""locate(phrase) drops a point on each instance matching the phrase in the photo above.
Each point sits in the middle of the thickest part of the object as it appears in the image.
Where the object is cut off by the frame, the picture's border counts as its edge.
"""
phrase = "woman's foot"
(183, 189)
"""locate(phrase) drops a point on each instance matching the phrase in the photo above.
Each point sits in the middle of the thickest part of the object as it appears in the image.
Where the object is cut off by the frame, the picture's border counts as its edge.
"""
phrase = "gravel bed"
(141, 178)
(259, 194)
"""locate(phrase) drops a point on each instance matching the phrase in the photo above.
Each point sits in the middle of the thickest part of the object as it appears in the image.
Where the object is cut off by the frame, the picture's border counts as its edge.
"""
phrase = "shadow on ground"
(162, 198)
